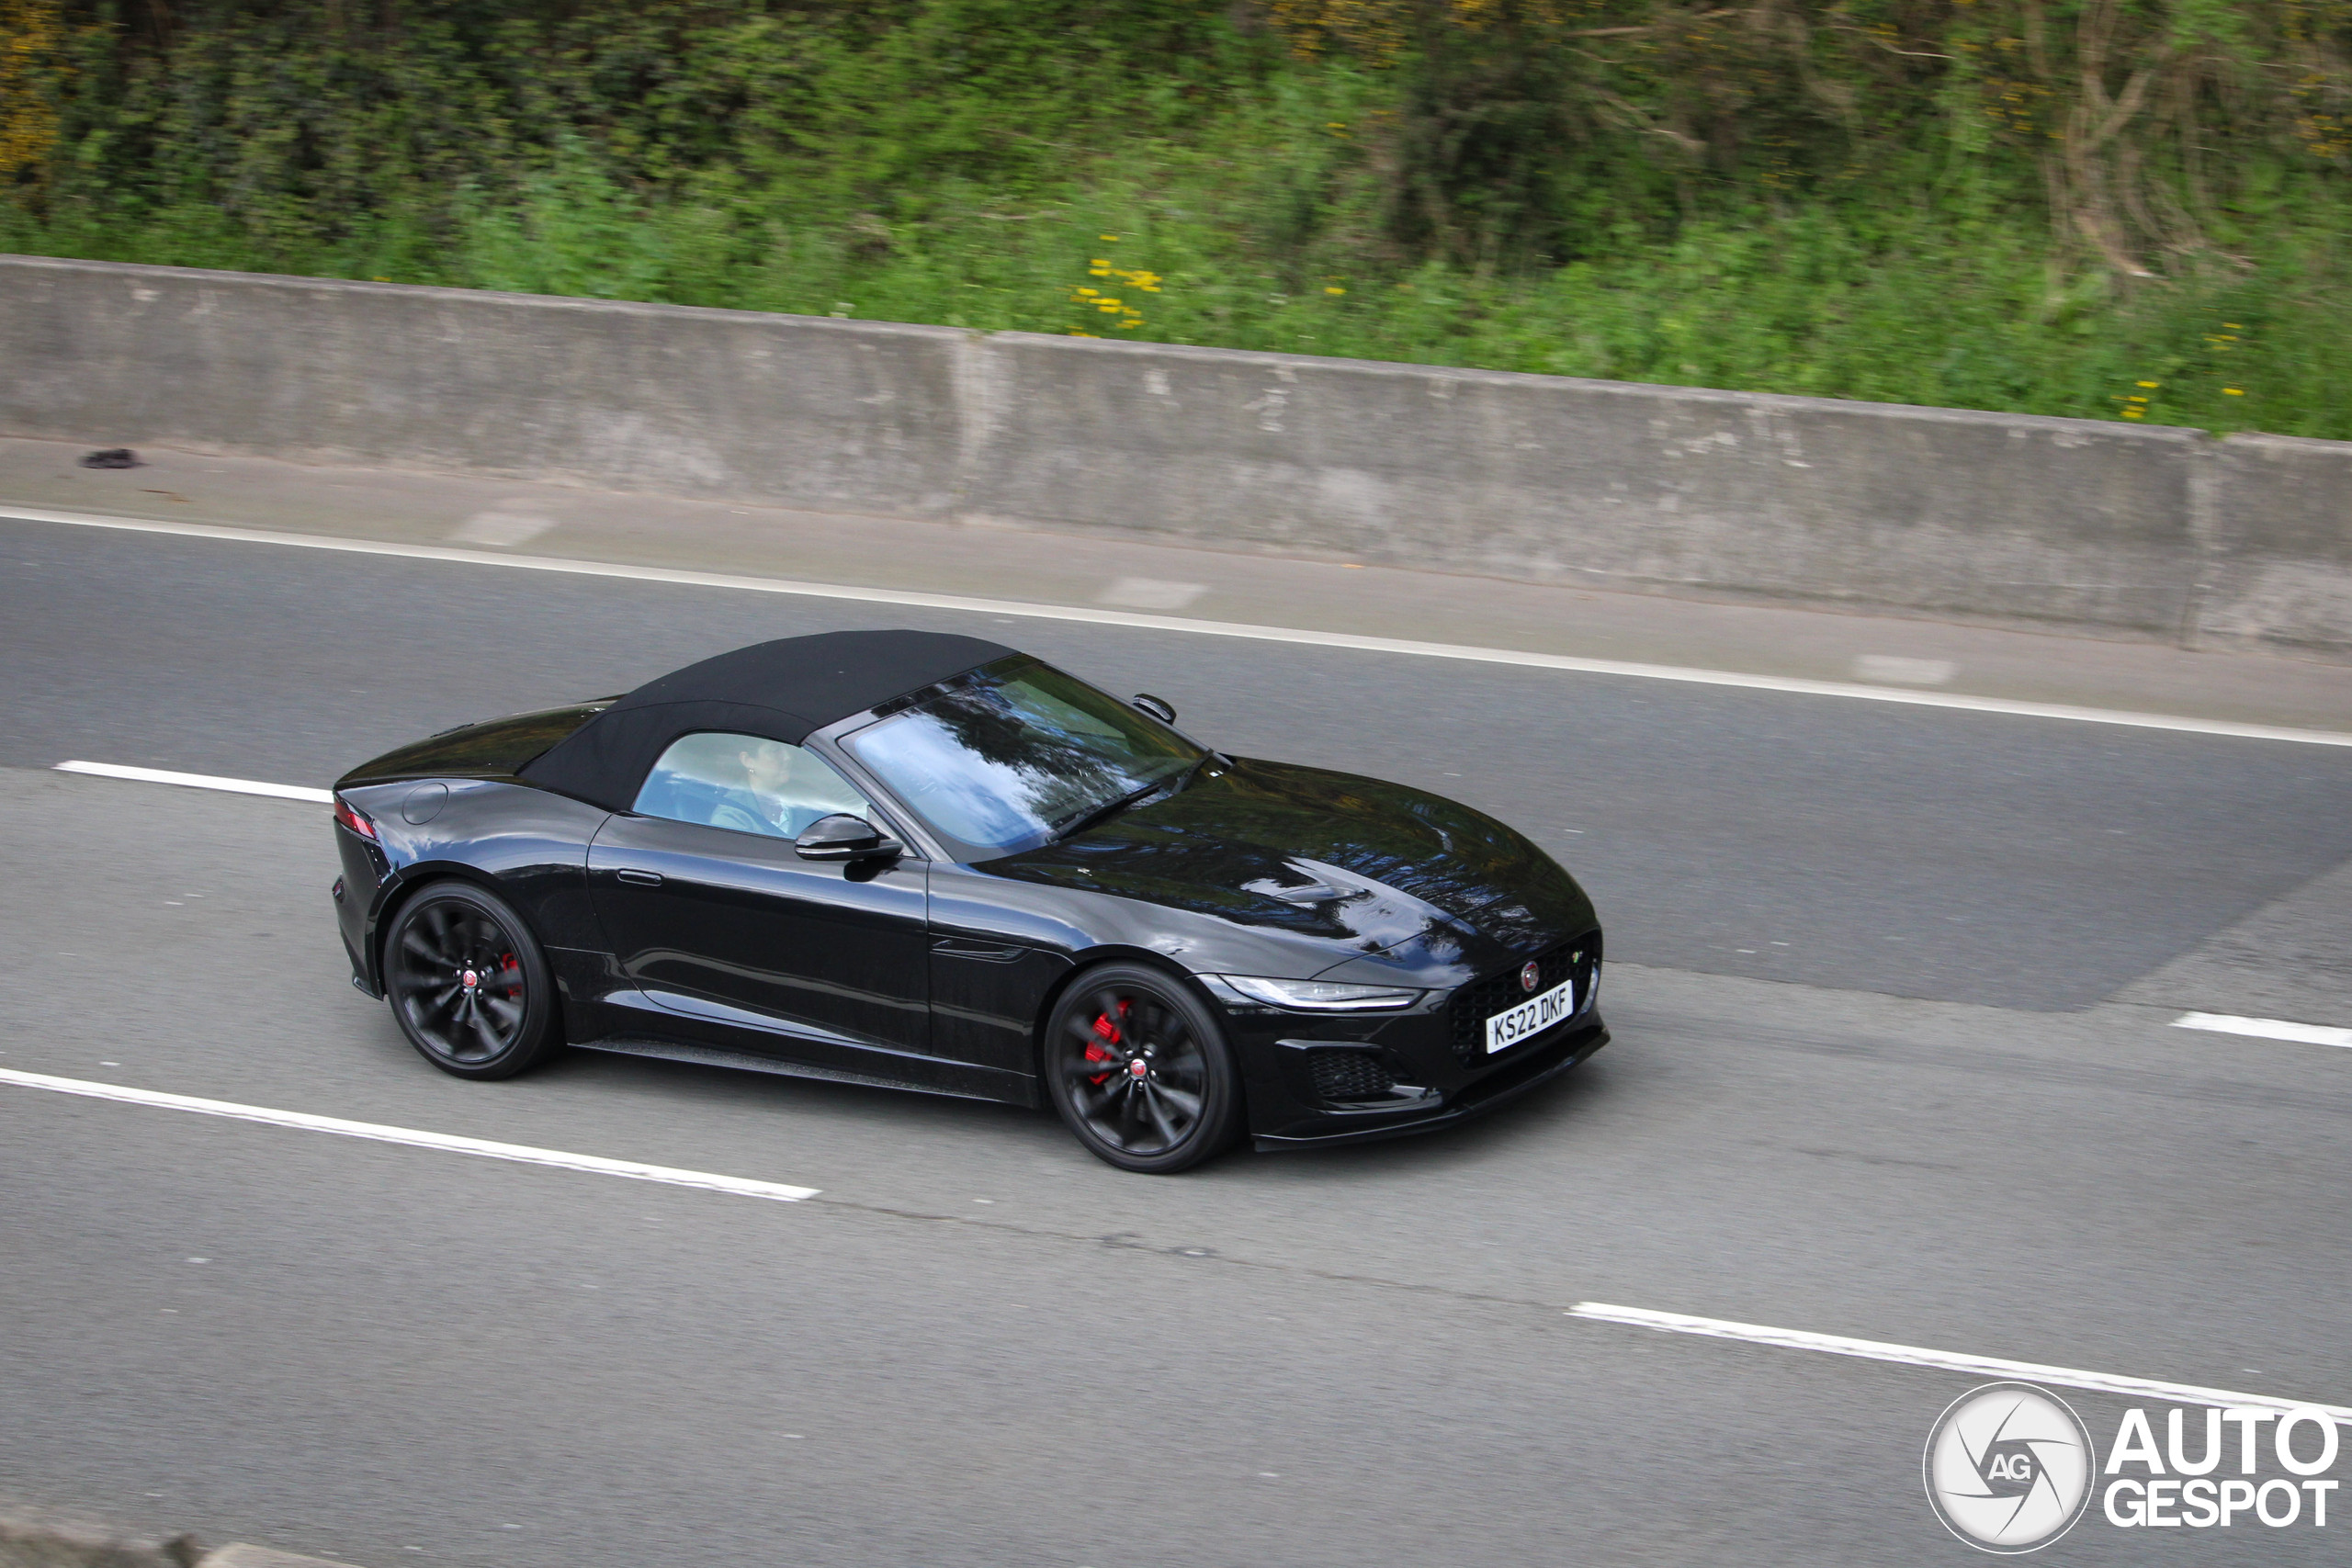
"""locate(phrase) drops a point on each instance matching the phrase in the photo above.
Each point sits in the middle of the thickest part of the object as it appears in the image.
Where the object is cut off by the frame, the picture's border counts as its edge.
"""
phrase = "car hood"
(1366, 865)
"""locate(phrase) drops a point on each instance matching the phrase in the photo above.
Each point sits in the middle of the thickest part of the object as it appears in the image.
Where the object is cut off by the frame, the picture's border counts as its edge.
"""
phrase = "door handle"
(642, 878)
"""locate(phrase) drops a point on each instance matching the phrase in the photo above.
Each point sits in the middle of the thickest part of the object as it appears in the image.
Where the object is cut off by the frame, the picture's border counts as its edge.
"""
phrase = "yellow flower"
(1113, 238)
(2233, 391)
(1333, 288)
(1086, 293)
(2151, 385)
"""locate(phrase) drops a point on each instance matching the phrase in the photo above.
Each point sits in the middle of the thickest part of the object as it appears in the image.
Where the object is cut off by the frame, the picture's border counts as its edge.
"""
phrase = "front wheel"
(1139, 1069)
(469, 987)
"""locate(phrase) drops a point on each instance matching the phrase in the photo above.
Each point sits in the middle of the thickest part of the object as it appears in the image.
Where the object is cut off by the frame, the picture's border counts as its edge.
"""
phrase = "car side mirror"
(844, 837)
(1160, 708)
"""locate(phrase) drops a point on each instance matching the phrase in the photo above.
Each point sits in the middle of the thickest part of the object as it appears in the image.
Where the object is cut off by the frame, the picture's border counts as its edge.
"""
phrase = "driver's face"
(769, 768)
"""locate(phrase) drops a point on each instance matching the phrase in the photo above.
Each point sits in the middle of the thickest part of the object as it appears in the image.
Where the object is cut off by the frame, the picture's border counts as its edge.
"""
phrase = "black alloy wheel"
(1141, 1072)
(469, 987)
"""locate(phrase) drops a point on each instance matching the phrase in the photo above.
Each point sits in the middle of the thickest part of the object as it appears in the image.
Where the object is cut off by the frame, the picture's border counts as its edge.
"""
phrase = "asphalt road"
(1920, 1122)
(1915, 852)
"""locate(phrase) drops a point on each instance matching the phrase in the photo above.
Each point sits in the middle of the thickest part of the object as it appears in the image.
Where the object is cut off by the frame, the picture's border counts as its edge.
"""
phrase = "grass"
(1916, 310)
(1220, 203)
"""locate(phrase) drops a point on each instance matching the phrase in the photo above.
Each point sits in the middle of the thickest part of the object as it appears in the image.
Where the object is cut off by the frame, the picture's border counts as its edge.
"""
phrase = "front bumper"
(355, 895)
(1540, 1065)
(1339, 1078)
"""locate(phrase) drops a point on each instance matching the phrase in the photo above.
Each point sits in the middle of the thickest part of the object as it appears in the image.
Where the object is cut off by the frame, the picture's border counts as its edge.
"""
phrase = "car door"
(713, 916)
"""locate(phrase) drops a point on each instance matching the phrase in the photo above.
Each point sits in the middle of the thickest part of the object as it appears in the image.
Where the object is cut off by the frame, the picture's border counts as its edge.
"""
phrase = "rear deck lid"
(496, 748)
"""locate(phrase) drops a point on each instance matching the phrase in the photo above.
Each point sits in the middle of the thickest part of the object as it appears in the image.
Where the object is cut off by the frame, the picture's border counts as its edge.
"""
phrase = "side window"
(746, 783)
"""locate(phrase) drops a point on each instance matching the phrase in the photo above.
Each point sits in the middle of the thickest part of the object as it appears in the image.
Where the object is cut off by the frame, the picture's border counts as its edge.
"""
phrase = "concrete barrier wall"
(810, 412)
(2155, 533)
(2278, 538)
(1599, 482)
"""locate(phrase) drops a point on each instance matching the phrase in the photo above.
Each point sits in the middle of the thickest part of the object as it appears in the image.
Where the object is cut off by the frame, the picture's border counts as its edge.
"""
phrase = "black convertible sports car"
(927, 861)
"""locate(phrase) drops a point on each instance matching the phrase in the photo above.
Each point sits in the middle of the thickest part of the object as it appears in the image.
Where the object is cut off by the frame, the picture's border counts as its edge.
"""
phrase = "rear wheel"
(469, 985)
(1141, 1072)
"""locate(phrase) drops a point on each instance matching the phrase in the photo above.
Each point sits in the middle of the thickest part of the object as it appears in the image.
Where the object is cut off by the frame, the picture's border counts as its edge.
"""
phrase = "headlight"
(1320, 996)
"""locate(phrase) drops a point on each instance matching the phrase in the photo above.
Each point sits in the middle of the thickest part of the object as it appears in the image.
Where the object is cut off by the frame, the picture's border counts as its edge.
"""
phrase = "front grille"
(1490, 994)
(1350, 1074)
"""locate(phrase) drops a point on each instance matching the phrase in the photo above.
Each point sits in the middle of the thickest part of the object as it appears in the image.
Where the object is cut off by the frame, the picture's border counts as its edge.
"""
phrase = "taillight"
(352, 819)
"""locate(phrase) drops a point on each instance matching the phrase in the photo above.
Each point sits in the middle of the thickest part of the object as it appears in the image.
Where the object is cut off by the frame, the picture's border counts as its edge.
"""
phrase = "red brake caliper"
(1105, 1034)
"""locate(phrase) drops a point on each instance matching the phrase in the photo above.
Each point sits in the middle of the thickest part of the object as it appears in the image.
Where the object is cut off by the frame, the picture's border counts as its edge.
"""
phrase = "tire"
(1139, 1069)
(468, 983)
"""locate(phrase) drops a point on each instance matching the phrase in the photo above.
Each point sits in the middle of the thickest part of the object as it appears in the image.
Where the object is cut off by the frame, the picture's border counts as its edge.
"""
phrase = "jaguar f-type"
(930, 861)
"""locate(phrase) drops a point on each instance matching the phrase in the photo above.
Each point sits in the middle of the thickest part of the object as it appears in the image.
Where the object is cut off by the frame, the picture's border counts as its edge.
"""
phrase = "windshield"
(1017, 755)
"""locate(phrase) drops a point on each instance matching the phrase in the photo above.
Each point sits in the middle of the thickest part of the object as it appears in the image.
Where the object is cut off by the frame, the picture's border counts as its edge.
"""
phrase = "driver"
(788, 788)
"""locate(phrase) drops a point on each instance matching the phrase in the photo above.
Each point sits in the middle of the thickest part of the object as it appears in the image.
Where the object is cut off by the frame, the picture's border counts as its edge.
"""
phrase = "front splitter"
(1452, 1116)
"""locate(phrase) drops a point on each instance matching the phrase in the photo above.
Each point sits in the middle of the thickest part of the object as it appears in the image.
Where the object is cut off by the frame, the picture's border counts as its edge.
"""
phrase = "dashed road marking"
(2265, 1028)
(447, 1142)
(1152, 594)
(1948, 1361)
(1602, 1312)
(502, 528)
(1897, 670)
(199, 781)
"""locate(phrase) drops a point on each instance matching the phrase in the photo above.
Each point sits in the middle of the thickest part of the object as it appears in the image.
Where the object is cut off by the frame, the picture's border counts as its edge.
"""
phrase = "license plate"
(1533, 1016)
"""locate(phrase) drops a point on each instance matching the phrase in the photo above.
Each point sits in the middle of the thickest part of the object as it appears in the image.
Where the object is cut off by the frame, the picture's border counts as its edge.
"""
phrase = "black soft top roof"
(782, 690)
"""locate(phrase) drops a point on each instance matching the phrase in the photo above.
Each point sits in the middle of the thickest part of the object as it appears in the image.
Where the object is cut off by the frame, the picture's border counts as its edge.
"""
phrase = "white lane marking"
(506, 529)
(447, 1142)
(199, 781)
(1897, 670)
(2265, 1028)
(1946, 1361)
(1151, 593)
(1138, 620)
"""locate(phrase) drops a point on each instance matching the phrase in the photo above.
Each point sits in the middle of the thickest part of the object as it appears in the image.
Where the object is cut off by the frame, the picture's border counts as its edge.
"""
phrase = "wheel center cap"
(472, 979)
(1139, 1067)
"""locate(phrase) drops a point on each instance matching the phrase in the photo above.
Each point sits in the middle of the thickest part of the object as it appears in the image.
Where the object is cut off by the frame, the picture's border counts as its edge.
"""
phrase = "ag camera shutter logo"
(2008, 1466)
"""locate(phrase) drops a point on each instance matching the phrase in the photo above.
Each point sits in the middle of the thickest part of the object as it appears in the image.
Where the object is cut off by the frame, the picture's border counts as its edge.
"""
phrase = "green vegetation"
(2124, 208)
